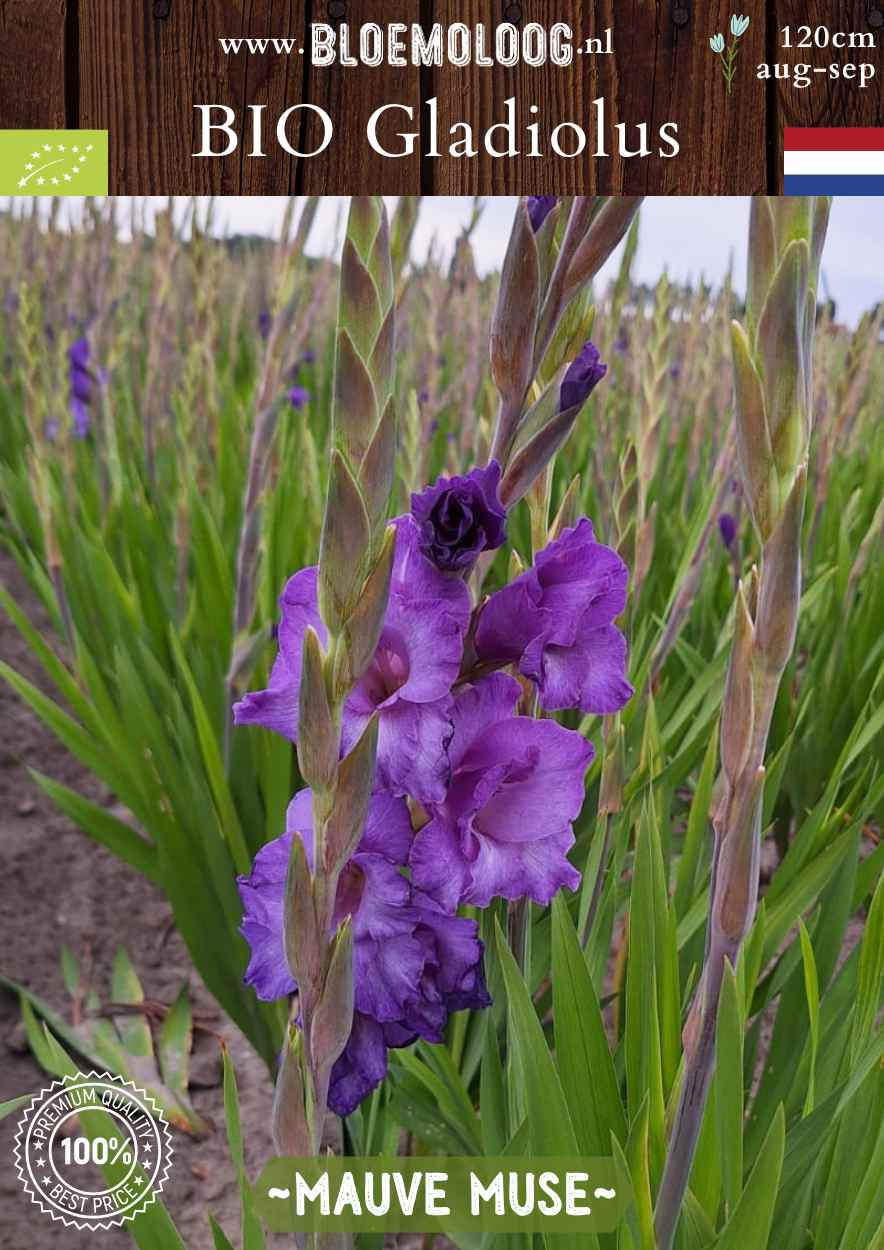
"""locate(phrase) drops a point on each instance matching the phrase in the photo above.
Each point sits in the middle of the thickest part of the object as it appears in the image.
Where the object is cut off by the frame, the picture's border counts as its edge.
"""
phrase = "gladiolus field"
(486, 673)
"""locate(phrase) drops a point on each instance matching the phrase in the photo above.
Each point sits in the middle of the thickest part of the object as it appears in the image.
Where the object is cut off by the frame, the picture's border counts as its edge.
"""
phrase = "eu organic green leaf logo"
(53, 162)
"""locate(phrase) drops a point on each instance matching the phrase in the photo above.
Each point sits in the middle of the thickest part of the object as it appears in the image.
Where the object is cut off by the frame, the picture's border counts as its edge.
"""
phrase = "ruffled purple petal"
(360, 1068)
(263, 895)
(439, 866)
(411, 754)
(543, 789)
(276, 707)
(590, 674)
(477, 707)
(536, 869)
(556, 621)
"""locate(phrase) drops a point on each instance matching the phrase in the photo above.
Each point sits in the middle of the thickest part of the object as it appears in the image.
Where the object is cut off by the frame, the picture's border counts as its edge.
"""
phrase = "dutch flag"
(833, 160)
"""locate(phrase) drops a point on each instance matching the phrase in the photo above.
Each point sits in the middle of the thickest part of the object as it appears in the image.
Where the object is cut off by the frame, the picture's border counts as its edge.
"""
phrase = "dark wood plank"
(350, 96)
(32, 64)
(826, 102)
(668, 72)
(141, 75)
(662, 70)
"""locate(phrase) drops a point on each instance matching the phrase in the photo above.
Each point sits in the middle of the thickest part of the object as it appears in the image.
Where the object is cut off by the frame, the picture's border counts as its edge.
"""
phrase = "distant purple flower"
(727, 527)
(581, 377)
(265, 321)
(556, 623)
(675, 372)
(423, 396)
(79, 353)
(298, 397)
(80, 417)
(408, 681)
(504, 826)
(460, 517)
(412, 963)
(80, 381)
(308, 357)
(539, 208)
(621, 343)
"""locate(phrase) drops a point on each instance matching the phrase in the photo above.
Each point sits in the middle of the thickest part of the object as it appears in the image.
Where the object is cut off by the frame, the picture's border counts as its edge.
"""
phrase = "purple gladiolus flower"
(298, 397)
(581, 377)
(727, 527)
(556, 622)
(460, 517)
(78, 354)
(539, 208)
(408, 682)
(412, 963)
(504, 826)
(80, 382)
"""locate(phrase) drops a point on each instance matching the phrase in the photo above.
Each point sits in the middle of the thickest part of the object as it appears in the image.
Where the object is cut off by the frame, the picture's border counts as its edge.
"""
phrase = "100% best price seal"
(93, 1150)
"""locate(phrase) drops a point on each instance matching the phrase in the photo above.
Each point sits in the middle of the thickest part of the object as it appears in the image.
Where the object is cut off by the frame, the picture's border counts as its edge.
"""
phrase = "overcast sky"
(688, 235)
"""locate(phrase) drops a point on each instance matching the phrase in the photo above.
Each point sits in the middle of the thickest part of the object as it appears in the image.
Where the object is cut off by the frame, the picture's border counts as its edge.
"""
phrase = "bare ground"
(58, 886)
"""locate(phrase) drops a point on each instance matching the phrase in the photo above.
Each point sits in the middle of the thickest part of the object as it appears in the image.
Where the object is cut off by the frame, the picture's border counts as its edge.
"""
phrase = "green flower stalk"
(773, 353)
(540, 278)
(355, 561)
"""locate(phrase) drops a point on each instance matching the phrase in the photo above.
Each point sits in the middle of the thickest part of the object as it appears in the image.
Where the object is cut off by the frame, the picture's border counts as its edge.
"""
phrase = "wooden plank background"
(137, 68)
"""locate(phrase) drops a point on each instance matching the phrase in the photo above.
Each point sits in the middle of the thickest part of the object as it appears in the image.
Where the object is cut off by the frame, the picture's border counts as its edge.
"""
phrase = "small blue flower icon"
(739, 26)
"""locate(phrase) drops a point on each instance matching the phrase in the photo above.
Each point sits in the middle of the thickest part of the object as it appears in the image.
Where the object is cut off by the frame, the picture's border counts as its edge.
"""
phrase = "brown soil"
(60, 887)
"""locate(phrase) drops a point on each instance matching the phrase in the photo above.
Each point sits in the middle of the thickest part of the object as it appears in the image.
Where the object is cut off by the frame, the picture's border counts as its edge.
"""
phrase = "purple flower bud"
(460, 517)
(539, 208)
(78, 354)
(265, 321)
(309, 357)
(583, 375)
(423, 396)
(298, 397)
(727, 527)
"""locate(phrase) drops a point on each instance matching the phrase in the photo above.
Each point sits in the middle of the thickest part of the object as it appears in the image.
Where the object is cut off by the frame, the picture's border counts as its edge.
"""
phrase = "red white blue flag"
(833, 160)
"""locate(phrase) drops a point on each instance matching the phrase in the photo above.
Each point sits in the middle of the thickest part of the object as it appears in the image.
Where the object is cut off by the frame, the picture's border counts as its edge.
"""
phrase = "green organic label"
(53, 162)
(379, 1195)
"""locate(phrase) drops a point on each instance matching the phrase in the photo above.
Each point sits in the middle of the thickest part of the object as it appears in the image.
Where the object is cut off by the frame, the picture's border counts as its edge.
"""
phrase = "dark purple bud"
(423, 396)
(727, 527)
(78, 354)
(539, 208)
(298, 397)
(675, 371)
(460, 517)
(265, 321)
(81, 385)
(583, 375)
(309, 357)
(621, 343)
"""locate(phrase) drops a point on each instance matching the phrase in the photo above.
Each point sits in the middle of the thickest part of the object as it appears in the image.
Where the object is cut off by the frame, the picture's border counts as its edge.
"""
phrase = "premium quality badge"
(92, 1151)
